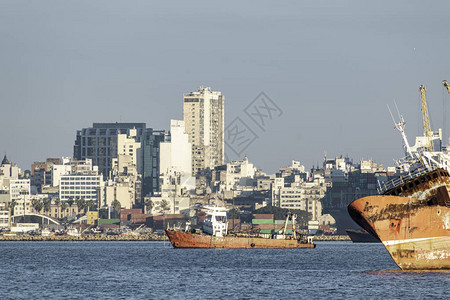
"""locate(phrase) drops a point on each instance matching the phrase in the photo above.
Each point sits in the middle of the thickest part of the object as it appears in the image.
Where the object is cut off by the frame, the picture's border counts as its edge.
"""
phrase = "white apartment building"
(124, 184)
(369, 166)
(175, 205)
(122, 190)
(176, 157)
(203, 115)
(300, 195)
(83, 182)
(172, 200)
(128, 145)
(24, 204)
(18, 187)
(58, 170)
(8, 170)
(87, 187)
(240, 173)
(4, 211)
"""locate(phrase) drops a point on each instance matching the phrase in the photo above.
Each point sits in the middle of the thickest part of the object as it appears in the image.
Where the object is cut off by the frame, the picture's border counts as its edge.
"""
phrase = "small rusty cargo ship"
(214, 234)
(411, 216)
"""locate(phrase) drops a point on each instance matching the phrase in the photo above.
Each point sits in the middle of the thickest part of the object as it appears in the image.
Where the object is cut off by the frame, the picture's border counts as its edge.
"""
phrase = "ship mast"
(400, 126)
(426, 120)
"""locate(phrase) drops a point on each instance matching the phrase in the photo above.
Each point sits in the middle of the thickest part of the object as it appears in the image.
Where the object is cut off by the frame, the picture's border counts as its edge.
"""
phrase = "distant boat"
(46, 232)
(215, 235)
(361, 236)
(72, 232)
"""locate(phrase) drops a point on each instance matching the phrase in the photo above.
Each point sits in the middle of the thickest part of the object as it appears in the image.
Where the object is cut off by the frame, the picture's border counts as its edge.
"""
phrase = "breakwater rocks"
(332, 238)
(126, 237)
(88, 237)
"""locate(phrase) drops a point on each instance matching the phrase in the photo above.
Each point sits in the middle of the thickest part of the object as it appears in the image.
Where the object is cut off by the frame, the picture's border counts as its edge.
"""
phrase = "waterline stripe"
(395, 242)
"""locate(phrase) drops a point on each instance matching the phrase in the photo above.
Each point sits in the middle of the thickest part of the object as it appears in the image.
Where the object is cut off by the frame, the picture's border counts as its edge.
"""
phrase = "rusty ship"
(361, 236)
(411, 214)
(214, 234)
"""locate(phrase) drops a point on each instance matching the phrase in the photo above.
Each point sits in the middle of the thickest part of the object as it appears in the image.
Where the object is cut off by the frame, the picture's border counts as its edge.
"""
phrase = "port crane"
(445, 83)
(426, 120)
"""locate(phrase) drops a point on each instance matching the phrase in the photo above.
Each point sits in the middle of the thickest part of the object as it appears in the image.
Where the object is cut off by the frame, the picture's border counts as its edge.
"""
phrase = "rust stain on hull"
(192, 240)
(417, 237)
(412, 221)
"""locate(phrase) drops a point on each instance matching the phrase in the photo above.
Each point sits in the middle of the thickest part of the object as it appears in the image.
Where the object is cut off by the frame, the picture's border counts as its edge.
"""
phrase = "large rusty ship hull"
(415, 233)
(192, 240)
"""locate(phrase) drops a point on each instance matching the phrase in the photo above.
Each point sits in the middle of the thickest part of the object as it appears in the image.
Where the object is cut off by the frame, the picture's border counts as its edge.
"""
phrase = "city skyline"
(331, 69)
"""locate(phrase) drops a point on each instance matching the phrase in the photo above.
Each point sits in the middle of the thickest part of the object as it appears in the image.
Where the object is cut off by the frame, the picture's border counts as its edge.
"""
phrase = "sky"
(330, 67)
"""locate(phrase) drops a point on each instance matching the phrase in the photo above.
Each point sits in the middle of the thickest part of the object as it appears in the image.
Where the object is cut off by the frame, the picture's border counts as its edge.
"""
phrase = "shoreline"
(125, 238)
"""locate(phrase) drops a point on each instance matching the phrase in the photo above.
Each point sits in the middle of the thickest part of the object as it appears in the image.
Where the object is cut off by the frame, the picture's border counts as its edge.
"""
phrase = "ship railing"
(385, 186)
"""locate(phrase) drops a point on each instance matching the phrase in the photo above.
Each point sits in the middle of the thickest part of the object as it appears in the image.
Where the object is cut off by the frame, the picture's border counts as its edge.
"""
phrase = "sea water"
(154, 270)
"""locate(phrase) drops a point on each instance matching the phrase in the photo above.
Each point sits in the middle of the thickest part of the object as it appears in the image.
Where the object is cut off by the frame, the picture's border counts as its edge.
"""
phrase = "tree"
(81, 204)
(148, 205)
(58, 206)
(47, 204)
(37, 205)
(64, 207)
(164, 206)
(234, 213)
(12, 204)
(90, 204)
(70, 202)
(116, 205)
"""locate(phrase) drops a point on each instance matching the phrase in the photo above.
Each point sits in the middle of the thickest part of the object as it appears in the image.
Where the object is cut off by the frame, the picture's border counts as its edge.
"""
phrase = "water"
(154, 270)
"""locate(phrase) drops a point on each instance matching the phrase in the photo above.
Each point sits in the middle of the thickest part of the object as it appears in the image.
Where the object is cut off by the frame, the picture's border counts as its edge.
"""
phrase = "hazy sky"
(330, 66)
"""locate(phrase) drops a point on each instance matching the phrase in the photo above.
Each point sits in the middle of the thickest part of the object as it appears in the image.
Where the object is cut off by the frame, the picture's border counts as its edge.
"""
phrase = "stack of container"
(108, 223)
(279, 224)
(138, 219)
(175, 221)
(156, 222)
(125, 215)
(267, 225)
(263, 223)
(166, 221)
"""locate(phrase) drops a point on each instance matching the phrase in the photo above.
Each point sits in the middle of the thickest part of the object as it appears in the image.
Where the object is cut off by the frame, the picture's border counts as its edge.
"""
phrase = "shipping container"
(263, 226)
(109, 226)
(108, 221)
(263, 216)
(282, 222)
(270, 226)
(131, 211)
(175, 216)
(262, 221)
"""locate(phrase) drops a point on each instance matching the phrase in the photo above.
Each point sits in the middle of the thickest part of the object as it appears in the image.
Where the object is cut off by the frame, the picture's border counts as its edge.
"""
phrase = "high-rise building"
(150, 161)
(176, 157)
(203, 115)
(100, 142)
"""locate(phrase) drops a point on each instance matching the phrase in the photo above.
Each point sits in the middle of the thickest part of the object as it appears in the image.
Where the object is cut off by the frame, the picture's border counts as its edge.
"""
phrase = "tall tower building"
(203, 115)
(100, 143)
(176, 157)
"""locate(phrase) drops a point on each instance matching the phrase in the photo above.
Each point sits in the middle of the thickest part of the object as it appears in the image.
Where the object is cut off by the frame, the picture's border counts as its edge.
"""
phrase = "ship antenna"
(398, 112)
(400, 126)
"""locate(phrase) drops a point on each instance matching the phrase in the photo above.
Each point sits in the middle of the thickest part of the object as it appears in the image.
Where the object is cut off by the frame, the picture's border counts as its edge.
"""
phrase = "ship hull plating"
(415, 233)
(192, 240)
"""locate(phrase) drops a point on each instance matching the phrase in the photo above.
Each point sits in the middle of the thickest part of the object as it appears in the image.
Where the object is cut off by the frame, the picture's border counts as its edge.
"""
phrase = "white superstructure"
(216, 223)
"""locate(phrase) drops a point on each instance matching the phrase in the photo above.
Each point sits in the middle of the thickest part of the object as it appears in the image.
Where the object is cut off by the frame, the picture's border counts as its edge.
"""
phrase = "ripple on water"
(143, 270)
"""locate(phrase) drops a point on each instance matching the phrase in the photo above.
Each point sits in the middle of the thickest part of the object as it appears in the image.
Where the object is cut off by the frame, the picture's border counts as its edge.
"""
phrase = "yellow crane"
(445, 83)
(444, 113)
(426, 120)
